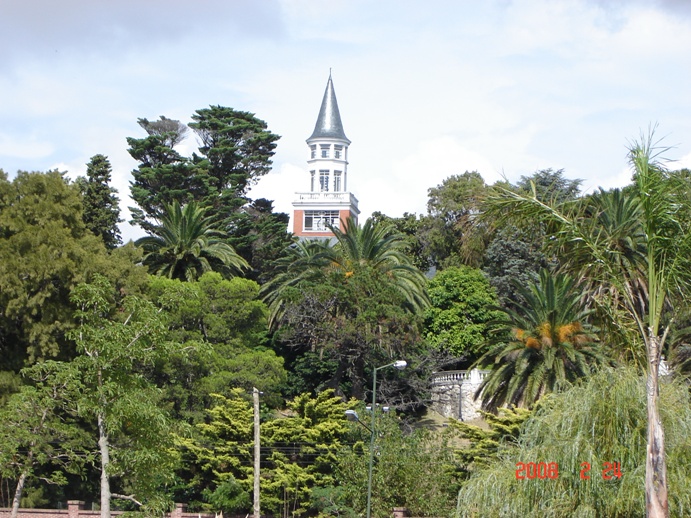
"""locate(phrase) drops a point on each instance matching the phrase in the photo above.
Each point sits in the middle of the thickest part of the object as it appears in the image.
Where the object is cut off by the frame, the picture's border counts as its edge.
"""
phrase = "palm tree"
(355, 296)
(550, 344)
(380, 247)
(639, 293)
(613, 220)
(303, 262)
(371, 245)
(185, 246)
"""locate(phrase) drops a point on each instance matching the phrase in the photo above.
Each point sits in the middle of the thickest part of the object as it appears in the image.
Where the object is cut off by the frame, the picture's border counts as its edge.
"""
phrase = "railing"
(345, 197)
(457, 377)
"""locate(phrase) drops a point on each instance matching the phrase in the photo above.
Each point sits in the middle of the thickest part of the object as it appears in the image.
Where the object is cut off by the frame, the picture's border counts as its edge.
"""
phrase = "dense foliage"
(125, 371)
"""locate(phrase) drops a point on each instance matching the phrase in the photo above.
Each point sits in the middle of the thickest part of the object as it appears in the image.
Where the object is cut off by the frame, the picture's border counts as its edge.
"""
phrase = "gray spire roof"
(329, 123)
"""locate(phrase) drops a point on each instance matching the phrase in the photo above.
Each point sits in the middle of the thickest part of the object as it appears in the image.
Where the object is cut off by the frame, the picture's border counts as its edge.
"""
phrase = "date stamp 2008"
(550, 470)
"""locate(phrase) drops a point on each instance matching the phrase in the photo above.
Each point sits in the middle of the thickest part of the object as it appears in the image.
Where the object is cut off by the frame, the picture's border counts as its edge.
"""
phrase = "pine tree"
(101, 210)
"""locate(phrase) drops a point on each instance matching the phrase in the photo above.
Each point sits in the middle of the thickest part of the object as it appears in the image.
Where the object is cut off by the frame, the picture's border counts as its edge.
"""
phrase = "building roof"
(329, 123)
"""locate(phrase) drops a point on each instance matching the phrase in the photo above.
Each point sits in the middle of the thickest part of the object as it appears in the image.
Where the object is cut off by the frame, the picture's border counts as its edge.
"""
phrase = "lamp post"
(400, 365)
(257, 452)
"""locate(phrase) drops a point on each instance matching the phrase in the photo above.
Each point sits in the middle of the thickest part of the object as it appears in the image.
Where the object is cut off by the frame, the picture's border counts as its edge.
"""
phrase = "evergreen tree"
(163, 176)
(236, 150)
(101, 212)
(451, 233)
(462, 314)
(46, 250)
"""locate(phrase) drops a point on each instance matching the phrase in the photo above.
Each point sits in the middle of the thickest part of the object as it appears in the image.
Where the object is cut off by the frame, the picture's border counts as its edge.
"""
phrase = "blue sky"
(425, 89)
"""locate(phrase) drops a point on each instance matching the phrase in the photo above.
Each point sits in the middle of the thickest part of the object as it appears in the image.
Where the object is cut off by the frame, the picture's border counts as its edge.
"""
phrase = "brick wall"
(75, 509)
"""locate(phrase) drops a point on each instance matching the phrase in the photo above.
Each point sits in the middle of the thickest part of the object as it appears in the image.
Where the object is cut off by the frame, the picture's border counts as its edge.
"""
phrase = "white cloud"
(425, 91)
(23, 147)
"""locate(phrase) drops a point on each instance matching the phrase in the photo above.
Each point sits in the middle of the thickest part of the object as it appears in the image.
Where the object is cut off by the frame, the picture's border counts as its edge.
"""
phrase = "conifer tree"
(101, 212)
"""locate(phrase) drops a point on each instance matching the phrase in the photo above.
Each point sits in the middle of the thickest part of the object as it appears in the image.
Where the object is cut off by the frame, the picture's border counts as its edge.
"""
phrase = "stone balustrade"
(453, 393)
(337, 197)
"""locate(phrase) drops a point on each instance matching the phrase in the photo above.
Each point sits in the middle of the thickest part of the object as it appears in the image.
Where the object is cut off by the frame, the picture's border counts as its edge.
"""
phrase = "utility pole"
(255, 397)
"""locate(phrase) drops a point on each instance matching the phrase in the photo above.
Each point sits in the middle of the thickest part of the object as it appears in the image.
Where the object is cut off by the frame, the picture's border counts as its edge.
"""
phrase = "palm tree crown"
(185, 246)
(378, 246)
(550, 343)
(372, 245)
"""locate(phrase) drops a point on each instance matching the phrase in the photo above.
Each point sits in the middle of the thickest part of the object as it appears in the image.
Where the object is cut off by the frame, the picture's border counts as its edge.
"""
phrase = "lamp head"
(400, 364)
(351, 415)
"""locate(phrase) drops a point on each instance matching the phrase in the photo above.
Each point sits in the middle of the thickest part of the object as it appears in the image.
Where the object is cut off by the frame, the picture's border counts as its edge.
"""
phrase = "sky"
(426, 89)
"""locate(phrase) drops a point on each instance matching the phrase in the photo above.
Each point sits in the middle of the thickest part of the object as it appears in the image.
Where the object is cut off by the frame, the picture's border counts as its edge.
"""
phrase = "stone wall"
(453, 393)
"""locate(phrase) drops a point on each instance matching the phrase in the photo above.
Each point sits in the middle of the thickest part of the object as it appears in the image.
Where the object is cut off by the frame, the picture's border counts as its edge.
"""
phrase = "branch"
(127, 497)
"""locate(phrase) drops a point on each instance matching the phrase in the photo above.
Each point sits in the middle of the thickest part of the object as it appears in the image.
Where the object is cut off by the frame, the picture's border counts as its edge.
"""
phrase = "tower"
(328, 200)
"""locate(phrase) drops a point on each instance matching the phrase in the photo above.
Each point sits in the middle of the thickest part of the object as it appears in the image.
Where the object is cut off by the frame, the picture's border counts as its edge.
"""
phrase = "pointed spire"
(329, 123)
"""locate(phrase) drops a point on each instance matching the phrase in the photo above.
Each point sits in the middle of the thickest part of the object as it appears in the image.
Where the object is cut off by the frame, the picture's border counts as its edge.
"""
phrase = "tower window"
(325, 151)
(311, 181)
(313, 151)
(337, 181)
(324, 180)
(337, 151)
(316, 220)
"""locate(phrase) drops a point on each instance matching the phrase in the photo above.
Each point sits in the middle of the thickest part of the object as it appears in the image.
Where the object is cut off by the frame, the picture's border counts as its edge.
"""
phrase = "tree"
(486, 442)
(37, 430)
(451, 232)
(550, 344)
(236, 149)
(632, 293)
(172, 131)
(302, 450)
(45, 251)
(222, 326)
(413, 470)
(594, 435)
(462, 312)
(515, 254)
(163, 176)
(113, 344)
(357, 299)
(410, 226)
(220, 455)
(298, 452)
(514, 258)
(261, 236)
(101, 212)
(350, 323)
(185, 245)
(378, 247)
(550, 186)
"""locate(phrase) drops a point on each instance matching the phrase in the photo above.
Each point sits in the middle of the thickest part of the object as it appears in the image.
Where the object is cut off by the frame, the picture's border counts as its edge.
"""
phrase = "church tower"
(328, 200)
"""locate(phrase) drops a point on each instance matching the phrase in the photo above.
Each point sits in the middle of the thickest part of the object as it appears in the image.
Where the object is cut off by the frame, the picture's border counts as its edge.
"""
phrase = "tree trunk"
(105, 460)
(337, 378)
(655, 466)
(358, 378)
(22, 478)
(18, 492)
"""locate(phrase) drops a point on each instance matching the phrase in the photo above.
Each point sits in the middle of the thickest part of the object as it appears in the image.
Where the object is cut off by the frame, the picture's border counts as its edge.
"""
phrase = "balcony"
(319, 198)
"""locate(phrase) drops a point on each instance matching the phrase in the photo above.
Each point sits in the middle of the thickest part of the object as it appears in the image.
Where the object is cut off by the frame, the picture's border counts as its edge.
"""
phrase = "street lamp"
(352, 415)
(400, 365)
